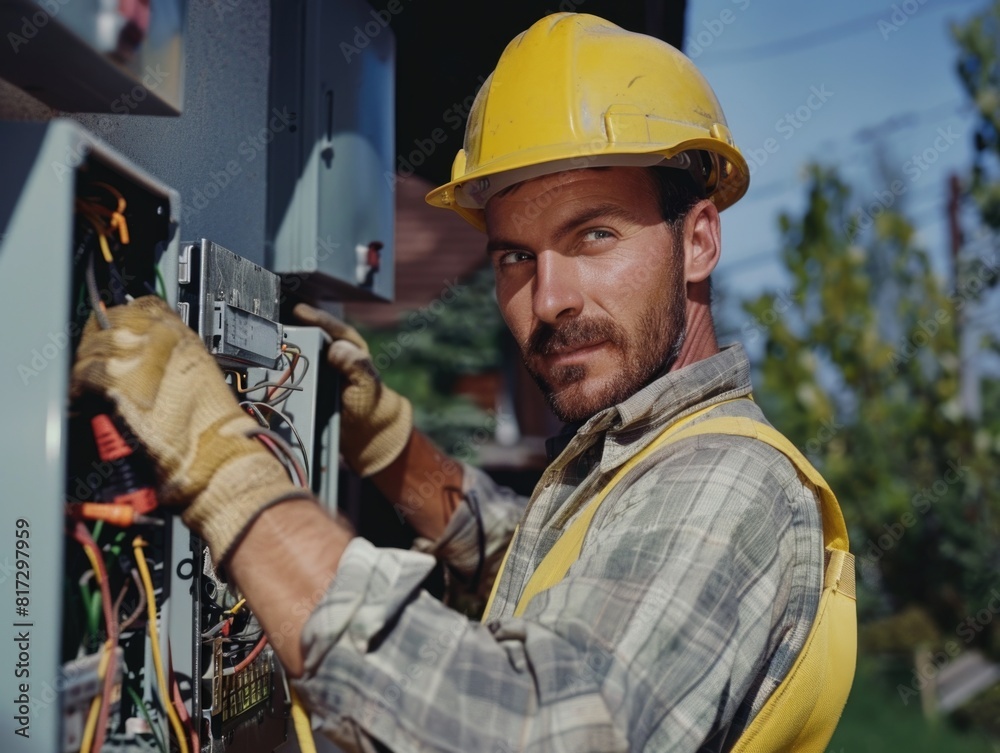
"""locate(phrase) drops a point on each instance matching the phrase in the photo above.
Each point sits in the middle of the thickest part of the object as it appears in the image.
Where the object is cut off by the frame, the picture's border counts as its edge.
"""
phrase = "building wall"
(214, 153)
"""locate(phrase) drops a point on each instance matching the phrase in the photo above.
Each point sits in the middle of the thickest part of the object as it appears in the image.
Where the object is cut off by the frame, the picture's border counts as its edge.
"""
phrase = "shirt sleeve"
(649, 643)
(477, 535)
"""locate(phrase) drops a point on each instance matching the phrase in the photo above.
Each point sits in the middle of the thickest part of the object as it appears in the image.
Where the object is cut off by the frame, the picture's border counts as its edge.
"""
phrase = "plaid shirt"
(693, 594)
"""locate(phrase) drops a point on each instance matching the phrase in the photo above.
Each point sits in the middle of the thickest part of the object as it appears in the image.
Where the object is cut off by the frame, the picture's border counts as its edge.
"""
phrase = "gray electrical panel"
(331, 177)
(94, 56)
(83, 229)
(60, 183)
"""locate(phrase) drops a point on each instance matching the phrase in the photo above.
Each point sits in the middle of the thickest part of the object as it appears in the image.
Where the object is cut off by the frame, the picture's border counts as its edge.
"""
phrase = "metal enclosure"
(331, 177)
(43, 167)
(92, 56)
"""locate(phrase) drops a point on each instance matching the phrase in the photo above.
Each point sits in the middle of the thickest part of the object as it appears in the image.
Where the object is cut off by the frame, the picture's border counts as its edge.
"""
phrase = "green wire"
(96, 533)
(145, 714)
(161, 284)
(93, 616)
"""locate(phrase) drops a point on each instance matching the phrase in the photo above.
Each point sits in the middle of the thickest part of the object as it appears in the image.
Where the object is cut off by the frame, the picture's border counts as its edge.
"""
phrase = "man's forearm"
(288, 557)
(423, 484)
(283, 565)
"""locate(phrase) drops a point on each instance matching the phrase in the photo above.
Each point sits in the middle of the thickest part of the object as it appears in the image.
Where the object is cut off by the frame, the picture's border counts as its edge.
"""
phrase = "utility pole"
(967, 375)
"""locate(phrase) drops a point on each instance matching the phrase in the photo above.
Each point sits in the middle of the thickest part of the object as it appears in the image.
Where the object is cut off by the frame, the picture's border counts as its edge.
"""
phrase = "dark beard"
(646, 356)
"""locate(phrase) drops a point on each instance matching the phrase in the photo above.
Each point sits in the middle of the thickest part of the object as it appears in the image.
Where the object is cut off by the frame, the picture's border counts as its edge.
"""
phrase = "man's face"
(590, 280)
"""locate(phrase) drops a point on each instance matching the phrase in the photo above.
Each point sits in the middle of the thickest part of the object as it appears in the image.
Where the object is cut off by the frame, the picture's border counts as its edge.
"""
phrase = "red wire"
(253, 655)
(82, 535)
(183, 713)
(266, 441)
(284, 378)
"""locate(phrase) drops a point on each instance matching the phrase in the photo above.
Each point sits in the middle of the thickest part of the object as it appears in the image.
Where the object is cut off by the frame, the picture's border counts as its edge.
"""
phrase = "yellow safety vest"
(803, 711)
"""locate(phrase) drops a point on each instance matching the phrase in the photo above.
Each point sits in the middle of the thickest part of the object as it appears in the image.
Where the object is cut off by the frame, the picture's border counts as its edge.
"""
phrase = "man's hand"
(171, 393)
(376, 421)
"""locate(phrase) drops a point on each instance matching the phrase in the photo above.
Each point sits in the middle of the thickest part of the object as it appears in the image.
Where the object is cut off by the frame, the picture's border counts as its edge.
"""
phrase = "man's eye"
(513, 257)
(598, 235)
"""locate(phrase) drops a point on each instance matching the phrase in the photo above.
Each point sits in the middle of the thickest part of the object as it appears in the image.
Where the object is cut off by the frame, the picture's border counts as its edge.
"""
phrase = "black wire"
(805, 41)
(480, 538)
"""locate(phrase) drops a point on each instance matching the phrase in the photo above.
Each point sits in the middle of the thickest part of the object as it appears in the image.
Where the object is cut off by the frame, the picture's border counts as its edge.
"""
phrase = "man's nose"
(556, 292)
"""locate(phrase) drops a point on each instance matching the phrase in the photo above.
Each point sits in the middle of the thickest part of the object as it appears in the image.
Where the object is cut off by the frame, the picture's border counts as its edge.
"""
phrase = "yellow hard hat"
(574, 91)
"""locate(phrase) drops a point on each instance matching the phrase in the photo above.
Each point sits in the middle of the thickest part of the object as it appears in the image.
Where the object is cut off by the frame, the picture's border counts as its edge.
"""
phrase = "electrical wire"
(300, 719)
(182, 711)
(82, 535)
(90, 727)
(243, 389)
(161, 284)
(137, 700)
(91, 603)
(230, 671)
(288, 373)
(296, 385)
(257, 405)
(281, 450)
(140, 559)
(130, 620)
(95, 295)
(804, 41)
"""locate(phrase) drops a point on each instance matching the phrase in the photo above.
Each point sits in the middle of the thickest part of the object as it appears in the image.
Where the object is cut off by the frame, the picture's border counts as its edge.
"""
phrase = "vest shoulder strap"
(803, 711)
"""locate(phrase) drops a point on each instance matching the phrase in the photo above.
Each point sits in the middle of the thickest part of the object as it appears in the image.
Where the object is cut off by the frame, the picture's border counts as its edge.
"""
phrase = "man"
(596, 161)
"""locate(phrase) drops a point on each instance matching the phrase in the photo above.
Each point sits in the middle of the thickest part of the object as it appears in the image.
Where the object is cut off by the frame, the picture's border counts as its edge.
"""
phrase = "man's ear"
(702, 241)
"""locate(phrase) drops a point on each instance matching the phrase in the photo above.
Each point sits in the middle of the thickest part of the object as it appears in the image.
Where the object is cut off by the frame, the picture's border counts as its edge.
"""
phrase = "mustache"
(546, 338)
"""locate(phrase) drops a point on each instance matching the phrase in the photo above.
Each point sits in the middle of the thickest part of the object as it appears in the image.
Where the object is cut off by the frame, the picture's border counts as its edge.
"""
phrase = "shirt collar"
(636, 421)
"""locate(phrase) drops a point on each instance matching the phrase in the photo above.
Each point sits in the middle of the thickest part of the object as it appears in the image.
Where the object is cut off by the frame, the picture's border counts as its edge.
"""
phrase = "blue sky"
(843, 72)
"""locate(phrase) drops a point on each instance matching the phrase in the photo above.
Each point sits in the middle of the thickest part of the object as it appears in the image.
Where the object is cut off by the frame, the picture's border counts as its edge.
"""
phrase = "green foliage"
(876, 720)
(861, 368)
(979, 72)
(457, 334)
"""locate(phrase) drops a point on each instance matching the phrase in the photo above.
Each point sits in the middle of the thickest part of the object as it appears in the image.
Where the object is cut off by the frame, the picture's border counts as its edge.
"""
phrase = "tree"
(860, 368)
(423, 357)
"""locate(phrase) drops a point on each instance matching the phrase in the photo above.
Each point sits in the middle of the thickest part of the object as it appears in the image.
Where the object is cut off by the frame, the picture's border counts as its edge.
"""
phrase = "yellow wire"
(300, 718)
(90, 728)
(102, 239)
(93, 563)
(147, 582)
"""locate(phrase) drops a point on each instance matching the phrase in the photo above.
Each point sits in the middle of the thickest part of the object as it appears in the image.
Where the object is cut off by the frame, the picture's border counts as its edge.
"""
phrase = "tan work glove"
(171, 393)
(375, 421)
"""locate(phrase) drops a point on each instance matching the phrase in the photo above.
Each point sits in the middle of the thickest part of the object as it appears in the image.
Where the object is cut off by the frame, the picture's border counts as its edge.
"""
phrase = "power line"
(806, 40)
